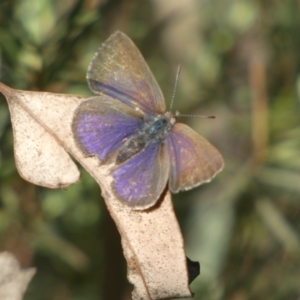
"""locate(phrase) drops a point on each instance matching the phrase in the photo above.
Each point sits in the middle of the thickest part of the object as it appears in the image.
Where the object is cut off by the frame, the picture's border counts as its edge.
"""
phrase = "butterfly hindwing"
(193, 160)
(140, 181)
(119, 70)
(100, 125)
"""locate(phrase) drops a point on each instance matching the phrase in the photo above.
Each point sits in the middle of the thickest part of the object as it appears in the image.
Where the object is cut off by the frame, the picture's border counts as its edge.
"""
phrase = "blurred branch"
(260, 130)
(278, 225)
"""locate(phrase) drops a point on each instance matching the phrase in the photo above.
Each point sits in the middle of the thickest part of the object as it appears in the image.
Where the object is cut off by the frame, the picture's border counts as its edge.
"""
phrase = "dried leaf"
(151, 239)
(13, 280)
(39, 154)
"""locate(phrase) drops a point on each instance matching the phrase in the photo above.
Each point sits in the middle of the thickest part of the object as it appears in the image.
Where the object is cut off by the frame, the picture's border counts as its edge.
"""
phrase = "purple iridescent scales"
(128, 97)
(102, 123)
(142, 177)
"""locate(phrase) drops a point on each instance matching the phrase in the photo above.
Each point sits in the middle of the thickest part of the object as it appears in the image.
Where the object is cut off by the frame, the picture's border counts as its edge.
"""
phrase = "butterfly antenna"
(177, 113)
(175, 86)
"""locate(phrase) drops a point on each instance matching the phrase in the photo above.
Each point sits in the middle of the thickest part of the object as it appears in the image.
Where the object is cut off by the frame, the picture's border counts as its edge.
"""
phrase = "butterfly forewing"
(140, 181)
(193, 160)
(100, 125)
(119, 70)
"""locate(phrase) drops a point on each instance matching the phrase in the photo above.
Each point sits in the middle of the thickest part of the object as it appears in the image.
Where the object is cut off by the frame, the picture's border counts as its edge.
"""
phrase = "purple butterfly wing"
(100, 125)
(193, 160)
(119, 70)
(140, 181)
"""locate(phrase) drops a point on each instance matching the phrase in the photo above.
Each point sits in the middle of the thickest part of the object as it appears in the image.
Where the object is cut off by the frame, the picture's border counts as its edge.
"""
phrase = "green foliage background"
(244, 227)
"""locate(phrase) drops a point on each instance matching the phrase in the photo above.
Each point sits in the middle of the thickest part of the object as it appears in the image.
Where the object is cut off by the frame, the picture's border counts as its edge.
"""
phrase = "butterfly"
(127, 124)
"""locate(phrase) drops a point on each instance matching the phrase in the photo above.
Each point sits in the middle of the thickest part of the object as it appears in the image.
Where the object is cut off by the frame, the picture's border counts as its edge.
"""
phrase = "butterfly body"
(126, 123)
(154, 130)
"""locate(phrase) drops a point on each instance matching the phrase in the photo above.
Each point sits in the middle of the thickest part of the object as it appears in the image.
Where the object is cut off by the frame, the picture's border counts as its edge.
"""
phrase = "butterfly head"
(171, 117)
